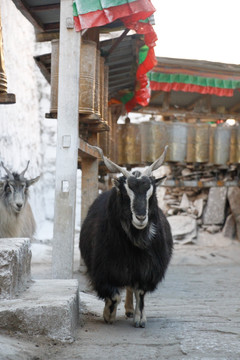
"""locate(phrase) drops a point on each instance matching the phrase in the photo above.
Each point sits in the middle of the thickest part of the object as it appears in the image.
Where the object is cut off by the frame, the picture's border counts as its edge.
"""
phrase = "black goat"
(126, 240)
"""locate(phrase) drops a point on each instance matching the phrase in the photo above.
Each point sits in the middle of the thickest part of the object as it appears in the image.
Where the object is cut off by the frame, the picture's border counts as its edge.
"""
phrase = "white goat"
(16, 217)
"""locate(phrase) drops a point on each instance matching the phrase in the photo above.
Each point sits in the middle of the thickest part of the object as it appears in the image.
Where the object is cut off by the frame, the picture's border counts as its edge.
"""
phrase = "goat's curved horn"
(23, 172)
(156, 163)
(110, 164)
(7, 171)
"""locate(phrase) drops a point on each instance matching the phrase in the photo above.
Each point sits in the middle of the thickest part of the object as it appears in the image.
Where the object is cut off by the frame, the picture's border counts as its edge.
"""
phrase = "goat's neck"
(9, 223)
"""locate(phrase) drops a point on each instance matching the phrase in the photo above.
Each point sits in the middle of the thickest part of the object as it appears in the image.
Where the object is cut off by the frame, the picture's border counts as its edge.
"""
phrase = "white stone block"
(184, 228)
(48, 307)
(15, 266)
(214, 213)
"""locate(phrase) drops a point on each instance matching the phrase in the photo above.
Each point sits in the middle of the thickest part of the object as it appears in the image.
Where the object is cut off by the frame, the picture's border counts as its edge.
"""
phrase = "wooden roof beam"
(44, 7)
(26, 12)
(186, 113)
(117, 42)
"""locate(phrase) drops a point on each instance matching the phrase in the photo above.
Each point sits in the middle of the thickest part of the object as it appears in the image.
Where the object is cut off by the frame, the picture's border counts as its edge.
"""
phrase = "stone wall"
(25, 132)
(23, 128)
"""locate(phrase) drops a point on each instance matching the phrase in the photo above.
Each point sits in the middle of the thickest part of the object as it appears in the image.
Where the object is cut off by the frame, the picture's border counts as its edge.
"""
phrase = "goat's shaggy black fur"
(118, 255)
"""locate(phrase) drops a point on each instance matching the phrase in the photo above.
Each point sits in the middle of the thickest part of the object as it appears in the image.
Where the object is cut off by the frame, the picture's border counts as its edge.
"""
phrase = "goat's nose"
(141, 217)
(19, 205)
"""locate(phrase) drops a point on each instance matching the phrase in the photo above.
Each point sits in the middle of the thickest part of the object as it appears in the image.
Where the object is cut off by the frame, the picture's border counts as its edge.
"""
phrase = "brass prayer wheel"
(153, 140)
(198, 143)
(211, 143)
(191, 138)
(87, 77)
(3, 78)
(106, 68)
(233, 156)
(221, 145)
(176, 135)
(238, 144)
(97, 102)
(102, 88)
(112, 134)
(129, 144)
(54, 75)
(202, 143)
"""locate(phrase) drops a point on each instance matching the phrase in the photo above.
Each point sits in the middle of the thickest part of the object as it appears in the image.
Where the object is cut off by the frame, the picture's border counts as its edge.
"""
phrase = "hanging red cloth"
(131, 13)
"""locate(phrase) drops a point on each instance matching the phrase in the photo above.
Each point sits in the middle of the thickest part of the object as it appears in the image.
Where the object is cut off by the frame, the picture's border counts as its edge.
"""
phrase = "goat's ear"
(116, 183)
(160, 180)
(33, 181)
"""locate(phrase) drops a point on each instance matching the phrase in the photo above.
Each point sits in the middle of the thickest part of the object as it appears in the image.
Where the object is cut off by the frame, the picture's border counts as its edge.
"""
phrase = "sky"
(198, 29)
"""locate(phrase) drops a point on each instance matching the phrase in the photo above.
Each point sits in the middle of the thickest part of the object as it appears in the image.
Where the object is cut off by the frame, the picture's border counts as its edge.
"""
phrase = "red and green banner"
(93, 13)
(190, 81)
(134, 15)
(141, 95)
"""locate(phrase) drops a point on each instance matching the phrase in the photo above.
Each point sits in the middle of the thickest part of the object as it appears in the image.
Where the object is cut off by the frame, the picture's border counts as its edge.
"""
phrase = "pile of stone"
(212, 210)
(184, 209)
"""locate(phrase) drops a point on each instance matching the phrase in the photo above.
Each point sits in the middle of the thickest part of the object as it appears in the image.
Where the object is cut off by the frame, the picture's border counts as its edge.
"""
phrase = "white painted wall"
(25, 133)
(20, 129)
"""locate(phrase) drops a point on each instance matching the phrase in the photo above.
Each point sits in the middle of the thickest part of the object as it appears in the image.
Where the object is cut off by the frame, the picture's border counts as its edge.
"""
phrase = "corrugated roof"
(187, 103)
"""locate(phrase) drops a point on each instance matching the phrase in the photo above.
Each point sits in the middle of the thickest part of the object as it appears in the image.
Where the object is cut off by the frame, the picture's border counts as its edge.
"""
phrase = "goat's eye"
(7, 189)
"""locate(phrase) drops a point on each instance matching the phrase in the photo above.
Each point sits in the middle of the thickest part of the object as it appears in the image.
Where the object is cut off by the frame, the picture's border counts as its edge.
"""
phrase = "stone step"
(15, 266)
(47, 307)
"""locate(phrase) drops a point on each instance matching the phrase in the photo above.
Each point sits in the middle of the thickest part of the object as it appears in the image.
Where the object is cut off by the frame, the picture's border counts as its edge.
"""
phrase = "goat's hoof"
(139, 322)
(142, 324)
(109, 318)
(108, 321)
(129, 314)
(136, 324)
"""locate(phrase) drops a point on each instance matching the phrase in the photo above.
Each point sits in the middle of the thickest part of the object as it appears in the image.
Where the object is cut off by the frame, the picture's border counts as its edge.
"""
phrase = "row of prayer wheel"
(191, 143)
(93, 81)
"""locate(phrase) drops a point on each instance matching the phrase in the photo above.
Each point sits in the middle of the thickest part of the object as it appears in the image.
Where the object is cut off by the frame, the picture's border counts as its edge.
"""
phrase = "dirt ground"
(195, 313)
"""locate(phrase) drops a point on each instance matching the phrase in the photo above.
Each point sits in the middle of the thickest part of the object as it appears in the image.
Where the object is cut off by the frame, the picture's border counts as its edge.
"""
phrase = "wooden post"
(67, 145)
(89, 180)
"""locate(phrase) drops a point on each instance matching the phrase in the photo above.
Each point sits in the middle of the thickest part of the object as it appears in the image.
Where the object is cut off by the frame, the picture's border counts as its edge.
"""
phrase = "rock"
(198, 204)
(15, 266)
(183, 228)
(172, 212)
(234, 201)
(186, 172)
(229, 229)
(184, 205)
(215, 210)
(213, 229)
(172, 202)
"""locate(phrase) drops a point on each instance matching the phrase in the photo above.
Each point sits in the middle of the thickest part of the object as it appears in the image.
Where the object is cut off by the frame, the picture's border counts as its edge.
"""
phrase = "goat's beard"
(138, 237)
(139, 227)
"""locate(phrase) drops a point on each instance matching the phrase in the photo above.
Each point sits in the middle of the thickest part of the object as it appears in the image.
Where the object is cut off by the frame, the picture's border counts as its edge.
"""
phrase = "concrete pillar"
(67, 145)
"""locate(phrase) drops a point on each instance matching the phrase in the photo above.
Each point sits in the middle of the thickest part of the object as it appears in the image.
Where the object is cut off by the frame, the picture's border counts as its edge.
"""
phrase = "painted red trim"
(156, 86)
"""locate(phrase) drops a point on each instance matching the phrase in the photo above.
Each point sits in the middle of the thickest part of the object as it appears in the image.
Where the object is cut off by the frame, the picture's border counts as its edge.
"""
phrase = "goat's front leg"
(110, 309)
(129, 303)
(139, 313)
